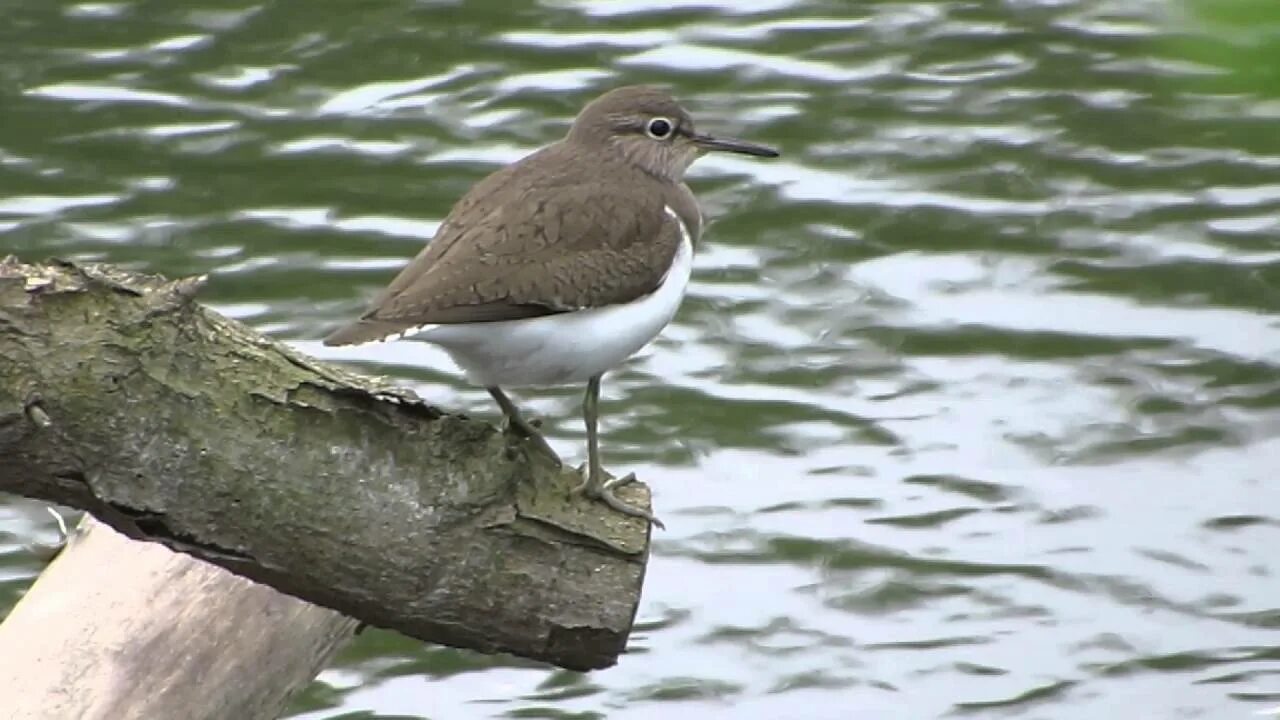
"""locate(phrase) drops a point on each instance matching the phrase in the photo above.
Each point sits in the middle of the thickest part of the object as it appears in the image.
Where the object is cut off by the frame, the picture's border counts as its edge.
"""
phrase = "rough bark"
(115, 629)
(121, 395)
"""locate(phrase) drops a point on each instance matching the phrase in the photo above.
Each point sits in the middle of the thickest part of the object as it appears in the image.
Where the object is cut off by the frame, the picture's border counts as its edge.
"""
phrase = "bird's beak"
(707, 142)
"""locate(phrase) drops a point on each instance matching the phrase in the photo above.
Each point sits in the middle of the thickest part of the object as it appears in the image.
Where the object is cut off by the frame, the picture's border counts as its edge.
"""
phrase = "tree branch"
(121, 630)
(121, 395)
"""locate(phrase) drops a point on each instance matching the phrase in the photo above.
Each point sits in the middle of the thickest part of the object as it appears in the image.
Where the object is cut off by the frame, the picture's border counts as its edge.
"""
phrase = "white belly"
(569, 347)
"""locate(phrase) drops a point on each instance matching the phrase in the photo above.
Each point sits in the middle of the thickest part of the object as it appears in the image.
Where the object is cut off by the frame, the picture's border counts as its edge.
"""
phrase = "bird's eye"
(659, 128)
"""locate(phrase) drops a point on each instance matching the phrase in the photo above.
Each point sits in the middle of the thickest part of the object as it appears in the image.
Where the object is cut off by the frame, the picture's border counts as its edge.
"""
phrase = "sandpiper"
(563, 264)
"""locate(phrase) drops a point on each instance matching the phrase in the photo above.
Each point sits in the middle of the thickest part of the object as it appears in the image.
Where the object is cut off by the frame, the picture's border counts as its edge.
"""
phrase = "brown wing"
(554, 244)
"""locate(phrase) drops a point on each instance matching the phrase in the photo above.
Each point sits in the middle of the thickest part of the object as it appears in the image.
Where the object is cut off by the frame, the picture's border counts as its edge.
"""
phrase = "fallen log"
(121, 395)
(116, 629)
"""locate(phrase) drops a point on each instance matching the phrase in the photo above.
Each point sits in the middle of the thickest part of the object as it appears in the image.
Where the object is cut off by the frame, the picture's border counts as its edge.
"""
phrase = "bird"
(562, 265)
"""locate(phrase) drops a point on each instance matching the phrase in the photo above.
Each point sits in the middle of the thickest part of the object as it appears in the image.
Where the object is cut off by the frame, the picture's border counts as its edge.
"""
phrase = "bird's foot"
(528, 430)
(602, 491)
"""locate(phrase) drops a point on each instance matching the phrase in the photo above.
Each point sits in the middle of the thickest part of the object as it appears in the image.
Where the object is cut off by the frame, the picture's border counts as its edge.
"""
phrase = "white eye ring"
(659, 128)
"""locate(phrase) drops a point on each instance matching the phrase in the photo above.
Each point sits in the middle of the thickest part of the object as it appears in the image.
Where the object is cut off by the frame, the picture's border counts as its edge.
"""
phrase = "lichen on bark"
(122, 395)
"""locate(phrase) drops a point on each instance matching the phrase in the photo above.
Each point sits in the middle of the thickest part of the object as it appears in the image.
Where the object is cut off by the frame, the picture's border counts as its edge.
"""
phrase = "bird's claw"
(527, 431)
(593, 489)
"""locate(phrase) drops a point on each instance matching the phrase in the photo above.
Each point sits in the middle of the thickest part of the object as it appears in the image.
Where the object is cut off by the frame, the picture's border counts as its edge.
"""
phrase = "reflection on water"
(973, 408)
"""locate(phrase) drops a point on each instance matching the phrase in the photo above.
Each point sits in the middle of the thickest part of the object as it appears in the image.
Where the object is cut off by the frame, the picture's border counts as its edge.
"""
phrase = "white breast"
(568, 347)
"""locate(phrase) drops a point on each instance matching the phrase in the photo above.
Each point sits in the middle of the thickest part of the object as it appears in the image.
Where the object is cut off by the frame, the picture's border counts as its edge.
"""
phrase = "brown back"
(558, 231)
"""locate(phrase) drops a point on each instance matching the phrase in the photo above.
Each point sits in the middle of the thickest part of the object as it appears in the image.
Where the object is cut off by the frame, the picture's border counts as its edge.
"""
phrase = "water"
(973, 408)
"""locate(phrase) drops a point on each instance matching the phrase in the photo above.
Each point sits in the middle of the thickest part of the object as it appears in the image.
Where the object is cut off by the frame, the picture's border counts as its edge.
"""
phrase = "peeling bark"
(122, 396)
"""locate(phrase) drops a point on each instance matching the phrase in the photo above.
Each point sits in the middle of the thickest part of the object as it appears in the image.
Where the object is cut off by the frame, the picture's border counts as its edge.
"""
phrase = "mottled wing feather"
(558, 245)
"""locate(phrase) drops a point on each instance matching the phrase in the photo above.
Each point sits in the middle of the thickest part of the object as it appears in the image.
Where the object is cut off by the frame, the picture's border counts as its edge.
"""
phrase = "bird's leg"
(593, 485)
(517, 423)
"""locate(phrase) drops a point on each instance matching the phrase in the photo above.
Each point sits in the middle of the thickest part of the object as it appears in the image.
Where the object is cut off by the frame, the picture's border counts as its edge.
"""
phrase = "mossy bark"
(121, 395)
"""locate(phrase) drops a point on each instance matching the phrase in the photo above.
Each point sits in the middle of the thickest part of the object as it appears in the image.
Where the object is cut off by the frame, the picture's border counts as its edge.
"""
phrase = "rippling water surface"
(973, 408)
